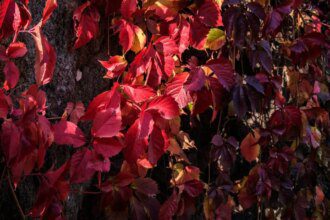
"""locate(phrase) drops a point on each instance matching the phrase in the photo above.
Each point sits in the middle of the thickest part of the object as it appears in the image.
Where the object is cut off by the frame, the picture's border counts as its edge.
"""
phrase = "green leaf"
(215, 39)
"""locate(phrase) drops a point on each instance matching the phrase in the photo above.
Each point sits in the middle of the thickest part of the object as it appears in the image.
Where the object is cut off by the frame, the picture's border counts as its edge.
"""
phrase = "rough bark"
(63, 88)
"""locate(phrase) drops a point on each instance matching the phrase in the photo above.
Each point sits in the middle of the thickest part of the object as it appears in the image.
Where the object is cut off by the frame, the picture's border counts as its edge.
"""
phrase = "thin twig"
(2, 175)
(15, 197)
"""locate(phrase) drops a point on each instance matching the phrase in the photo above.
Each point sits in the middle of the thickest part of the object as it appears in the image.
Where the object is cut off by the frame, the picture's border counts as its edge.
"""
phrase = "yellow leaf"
(139, 39)
(215, 39)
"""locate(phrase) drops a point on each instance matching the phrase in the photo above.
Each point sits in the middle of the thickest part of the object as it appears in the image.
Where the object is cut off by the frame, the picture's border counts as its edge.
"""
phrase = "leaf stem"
(3, 174)
(14, 196)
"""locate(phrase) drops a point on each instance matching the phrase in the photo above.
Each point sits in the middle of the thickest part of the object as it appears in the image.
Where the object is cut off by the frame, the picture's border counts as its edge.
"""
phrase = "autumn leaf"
(50, 6)
(11, 75)
(68, 133)
(177, 90)
(224, 71)
(86, 18)
(115, 66)
(45, 57)
(250, 147)
(215, 39)
(107, 123)
(128, 7)
(16, 50)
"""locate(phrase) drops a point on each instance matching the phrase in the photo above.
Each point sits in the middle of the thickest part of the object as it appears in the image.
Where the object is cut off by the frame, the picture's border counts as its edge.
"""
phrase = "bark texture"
(65, 87)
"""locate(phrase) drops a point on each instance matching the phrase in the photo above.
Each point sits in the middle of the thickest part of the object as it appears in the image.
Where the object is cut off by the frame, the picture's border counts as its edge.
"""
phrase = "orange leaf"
(249, 147)
(319, 197)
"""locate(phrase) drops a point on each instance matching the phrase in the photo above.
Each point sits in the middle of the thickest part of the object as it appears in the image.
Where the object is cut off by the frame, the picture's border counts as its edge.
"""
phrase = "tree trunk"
(66, 86)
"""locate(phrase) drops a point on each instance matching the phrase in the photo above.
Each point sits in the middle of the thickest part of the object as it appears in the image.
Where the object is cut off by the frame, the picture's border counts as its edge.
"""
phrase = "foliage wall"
(203, 109)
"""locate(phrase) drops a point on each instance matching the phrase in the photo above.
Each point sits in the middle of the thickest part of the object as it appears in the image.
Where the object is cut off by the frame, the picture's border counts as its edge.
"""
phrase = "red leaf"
(68, 133)
(11, 74)
(53, 190)
(128, 7)
(285, 121)
(23, 167)
(198, 34)
(107, 99)
(10, 140)
(99, 163)
(5, 104)
(4, 7)
(126, 35)
(179, 31)
(122, 179)
(307, 47)
(142, 61)
(138, 93)
(10, 18)
(16, 50)
(196, 80)
(107, 123)
(158, 144)
(166, 46)
(45, 58)
(136, 137)
(107, 147)
(193, 187)
(37, 96)
(319, 195)
(170, 206)
(86, 18)
(77, 112)
(219, 94)
(250, 147)
(79, 170)
(50, 6)
(25, 15)
(165, 106)
(176, 89)
(115, 65)
(202, 101)
(145, 186)
(209, 13)
(45, 138)
(224, 71)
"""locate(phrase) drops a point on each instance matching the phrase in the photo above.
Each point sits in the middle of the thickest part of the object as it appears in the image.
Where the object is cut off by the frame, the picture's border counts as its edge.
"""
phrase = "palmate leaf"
(189, 78)
(107, 123)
